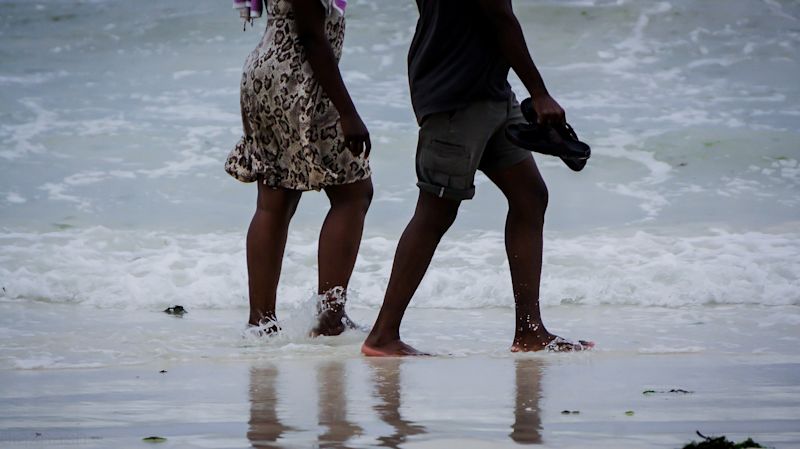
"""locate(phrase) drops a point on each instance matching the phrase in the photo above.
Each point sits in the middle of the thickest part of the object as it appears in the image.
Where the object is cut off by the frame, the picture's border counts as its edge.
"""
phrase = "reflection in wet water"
(388, 392)
(351, 414)
(265, 426)
(527, 427)
(332, 388)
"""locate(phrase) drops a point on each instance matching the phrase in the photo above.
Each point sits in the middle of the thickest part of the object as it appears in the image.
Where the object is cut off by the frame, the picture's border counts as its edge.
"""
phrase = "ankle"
(332, 300)
(530, 331)
(538, 336)
(258, 319)
(377, 338)
(529, 322)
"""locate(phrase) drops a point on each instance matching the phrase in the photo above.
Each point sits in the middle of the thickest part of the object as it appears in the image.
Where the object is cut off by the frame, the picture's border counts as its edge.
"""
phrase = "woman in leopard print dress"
(301, 133)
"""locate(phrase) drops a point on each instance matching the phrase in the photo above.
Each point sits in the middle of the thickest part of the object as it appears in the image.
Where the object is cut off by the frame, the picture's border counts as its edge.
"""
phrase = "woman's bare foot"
(548, 342)
(266, 328)
(331, 323)
(395, 348)
(331, 317)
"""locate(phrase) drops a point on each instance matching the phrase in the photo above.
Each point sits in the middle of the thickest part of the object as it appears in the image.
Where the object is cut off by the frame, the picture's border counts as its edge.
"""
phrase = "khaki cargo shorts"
(453, 145)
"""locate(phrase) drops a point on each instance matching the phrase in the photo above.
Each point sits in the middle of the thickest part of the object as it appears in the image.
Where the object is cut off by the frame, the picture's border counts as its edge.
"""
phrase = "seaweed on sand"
(721, 443)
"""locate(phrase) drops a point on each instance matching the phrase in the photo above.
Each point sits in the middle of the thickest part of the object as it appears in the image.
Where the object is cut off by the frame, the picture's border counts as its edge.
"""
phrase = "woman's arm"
(310, 18)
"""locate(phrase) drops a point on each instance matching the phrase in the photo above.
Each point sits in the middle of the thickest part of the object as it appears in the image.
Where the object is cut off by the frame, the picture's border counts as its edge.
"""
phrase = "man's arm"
(506, 27)
(311, 33)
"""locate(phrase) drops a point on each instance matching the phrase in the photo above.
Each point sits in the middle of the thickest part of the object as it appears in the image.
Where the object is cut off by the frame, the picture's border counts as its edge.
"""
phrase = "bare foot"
(331, 317)
(265, 329)
(331, 323)
(394, 348)
(550, 343)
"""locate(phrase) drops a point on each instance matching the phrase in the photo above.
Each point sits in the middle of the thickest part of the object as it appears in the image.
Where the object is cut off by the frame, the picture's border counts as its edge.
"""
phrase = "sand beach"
(223, 391)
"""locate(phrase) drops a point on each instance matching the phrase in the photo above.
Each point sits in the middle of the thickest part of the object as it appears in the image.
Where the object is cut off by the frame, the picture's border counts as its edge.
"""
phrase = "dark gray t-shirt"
(454, 58)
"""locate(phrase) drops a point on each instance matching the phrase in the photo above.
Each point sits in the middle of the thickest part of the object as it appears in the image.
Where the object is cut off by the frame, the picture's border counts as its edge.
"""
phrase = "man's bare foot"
(395, 348)
(331, 317)
(549, 342)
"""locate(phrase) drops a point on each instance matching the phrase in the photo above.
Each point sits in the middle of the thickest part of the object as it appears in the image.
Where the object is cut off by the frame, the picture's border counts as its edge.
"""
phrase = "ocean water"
(116, 117)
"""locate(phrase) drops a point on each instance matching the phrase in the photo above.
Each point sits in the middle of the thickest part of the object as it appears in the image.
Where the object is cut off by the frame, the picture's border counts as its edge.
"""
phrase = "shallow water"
(115, 120)
(112, 377)
(124, 113)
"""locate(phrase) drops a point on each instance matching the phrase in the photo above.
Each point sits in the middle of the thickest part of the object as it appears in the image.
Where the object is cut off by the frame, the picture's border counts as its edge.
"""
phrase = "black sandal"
(559, 141)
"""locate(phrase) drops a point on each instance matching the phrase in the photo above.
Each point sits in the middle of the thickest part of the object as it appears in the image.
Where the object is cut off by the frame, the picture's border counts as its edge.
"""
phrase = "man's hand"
(356, 135)
(548, 111)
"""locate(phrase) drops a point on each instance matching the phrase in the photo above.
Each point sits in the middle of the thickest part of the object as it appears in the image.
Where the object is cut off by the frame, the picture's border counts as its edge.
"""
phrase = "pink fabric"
(249, 9)
(341, 5)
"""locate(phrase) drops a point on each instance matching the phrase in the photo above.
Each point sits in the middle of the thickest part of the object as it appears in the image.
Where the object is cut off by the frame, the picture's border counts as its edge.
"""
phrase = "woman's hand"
(356, 135)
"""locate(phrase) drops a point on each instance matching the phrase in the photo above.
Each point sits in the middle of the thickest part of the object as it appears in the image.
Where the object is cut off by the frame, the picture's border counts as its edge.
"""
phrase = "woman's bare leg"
(266, 240)
(339, 241)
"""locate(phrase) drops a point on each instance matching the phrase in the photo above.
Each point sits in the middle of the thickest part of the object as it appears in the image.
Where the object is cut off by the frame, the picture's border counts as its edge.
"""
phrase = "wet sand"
(335, 398)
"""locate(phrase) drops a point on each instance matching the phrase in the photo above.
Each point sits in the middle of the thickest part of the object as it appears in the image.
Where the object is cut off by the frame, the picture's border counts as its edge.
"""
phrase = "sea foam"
(153, 269)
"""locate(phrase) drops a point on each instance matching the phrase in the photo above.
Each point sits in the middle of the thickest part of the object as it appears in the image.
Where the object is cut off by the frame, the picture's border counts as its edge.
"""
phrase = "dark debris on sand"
(721, 443)
(674, 391)
(175, 310)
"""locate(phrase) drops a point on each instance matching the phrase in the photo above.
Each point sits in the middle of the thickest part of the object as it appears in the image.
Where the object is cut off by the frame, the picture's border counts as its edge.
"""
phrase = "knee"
(541, 196)
(531, 206)
(356, 203)
(437, 220)
(277, 207)
(366, 199)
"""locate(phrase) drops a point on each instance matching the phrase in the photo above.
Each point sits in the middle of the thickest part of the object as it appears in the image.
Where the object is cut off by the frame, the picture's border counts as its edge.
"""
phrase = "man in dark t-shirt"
(458, 67)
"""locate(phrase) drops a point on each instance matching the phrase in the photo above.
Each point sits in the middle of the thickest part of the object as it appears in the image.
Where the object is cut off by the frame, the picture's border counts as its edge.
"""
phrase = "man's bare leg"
(432, 218)
(266, 241)
(339, 241)
(527, 196)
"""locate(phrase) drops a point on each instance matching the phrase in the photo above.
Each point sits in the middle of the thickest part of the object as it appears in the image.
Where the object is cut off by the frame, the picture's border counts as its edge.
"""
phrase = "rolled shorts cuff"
(447, 193)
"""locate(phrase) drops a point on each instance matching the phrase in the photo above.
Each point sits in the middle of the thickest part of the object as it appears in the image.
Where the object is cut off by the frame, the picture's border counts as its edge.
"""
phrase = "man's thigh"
(500, 153)
(521, 183)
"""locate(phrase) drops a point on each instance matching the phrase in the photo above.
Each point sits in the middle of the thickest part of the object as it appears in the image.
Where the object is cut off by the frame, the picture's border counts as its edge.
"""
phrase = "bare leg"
(339, 241)
(526, 192)
(266, 240)
(432, 218)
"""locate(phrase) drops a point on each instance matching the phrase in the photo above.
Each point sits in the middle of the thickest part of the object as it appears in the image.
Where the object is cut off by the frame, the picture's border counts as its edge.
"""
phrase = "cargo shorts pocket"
(446, 164)
(447, 158)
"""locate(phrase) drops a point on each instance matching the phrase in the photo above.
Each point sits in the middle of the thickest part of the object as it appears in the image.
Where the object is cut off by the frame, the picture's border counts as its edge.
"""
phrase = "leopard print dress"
(292, 133)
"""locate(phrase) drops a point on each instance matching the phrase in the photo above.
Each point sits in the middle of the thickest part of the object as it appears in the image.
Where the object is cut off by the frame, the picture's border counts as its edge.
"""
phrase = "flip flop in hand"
(560, 141)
